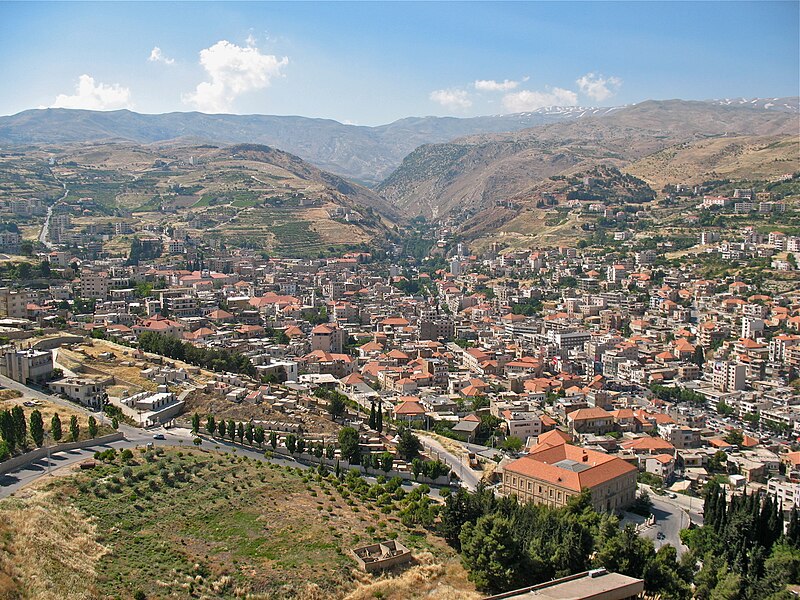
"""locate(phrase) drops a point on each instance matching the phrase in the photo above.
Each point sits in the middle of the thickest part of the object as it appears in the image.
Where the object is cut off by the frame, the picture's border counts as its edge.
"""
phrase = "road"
(46, 225)
(692, 506)
(670, 519)
(467, 475)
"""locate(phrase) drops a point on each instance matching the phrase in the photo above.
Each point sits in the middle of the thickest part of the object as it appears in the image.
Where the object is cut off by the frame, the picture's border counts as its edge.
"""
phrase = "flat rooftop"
(591, 585)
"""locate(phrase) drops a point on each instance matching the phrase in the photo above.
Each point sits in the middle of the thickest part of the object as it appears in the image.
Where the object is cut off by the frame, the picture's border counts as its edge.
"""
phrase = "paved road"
(467, 475)
(693, 506)
(670, 519)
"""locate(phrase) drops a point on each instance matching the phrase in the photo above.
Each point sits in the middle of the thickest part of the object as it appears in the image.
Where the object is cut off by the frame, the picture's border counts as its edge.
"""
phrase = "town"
(538, 373)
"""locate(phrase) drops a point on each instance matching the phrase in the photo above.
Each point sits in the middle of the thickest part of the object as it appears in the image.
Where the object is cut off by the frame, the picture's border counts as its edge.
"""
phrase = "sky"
(372, 63)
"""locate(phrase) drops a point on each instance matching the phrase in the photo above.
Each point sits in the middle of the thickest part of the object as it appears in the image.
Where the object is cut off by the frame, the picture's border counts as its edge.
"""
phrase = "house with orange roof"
(649, 445)
(160, 325)
(661, 465)
(552, 474)
(593, 420)
(409, 409)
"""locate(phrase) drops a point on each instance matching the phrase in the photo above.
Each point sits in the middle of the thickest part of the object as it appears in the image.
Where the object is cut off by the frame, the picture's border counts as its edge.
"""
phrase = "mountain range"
(364, 154)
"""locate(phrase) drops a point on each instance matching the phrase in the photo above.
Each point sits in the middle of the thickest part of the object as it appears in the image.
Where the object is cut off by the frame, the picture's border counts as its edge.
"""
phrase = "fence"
(12, 464)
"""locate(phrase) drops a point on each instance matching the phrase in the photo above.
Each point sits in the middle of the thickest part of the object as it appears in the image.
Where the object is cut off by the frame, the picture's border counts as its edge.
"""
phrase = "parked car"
(159, 436)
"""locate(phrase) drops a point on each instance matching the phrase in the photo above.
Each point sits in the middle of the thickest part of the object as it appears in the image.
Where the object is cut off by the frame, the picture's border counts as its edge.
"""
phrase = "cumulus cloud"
(94, 96)
(598, 87)
(232, 70)
(490, 85)
(157, 56)
(453, 99)
(525, 100)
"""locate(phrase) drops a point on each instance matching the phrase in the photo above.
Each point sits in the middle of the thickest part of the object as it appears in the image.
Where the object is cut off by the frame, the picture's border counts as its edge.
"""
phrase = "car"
(660, 535)
(673, 495)
(159, 436)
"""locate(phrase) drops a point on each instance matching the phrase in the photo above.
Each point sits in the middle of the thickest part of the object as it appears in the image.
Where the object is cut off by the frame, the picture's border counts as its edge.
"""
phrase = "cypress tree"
(7, 429)
(37, 428)
(20, 426)
(55, 427)
(379, 418)
(793, 531)
(372, 422)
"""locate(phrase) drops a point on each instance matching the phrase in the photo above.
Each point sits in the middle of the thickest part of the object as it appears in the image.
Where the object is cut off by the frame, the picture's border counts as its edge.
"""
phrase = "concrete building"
(27, 365)
(14, 303)
(598, 584)
(86, 391)
(728, 376)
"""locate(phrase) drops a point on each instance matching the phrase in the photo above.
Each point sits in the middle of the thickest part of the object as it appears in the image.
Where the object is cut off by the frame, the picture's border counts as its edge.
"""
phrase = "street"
(470, 478)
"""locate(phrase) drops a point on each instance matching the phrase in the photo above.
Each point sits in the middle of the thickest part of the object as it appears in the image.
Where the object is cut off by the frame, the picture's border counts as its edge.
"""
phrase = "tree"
(240, 432)
(319, 449)
(492, 555)
(92, 426)
(273, 439)
(379, 418)
(336, 405)
(20, 426)
(7, 429)
(373, 422)
(249, 433)
(221, 428)
(291, 443)
(301, 445)
(409, 445)
(55, 427)
(734, 437)
(348, 444)
(74, 428)
(330, 451)
(115, 422)
(417, 467)
(231, 429)
(211, 425)
(513, 444)
(195, 423)
(386, 462)
(258, 436)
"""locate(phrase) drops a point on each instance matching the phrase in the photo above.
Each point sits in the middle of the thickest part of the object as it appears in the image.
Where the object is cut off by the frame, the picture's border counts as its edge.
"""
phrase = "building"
(552, 474)
(590, 420)
(86, 391)
(95, 284)
(786, 492)
(27, 365)
(598, 584)
(728, 376)
(14, 303)
(328, 337)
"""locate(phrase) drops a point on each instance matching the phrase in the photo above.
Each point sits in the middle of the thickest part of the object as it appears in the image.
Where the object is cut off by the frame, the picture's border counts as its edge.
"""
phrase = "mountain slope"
(472, 174)
(366, 154)
(245, 196)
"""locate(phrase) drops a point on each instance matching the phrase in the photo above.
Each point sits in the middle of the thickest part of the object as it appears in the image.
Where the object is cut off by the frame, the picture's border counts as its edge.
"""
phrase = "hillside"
(361, 153)
(465, 177)
(246, 196)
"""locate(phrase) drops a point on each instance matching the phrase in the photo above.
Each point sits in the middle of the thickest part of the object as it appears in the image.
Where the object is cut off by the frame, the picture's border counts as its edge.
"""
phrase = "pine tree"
(211, 425)
(37, 428)
(55, 427)
(221, 428)
(258, 436)
(195, 423)
(92, 426)
(231, 429)
(240, 432)
(273, 439)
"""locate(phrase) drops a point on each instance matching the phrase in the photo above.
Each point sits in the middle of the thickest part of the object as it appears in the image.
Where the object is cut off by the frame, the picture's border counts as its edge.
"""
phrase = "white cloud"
(453, 99)
(598, 87)
(489, 85)
(232, 70)
(95, 96)
(526, 100)
(157, 56)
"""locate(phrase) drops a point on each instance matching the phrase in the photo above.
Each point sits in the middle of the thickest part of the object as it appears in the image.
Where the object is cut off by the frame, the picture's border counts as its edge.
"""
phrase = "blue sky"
(372, 63)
